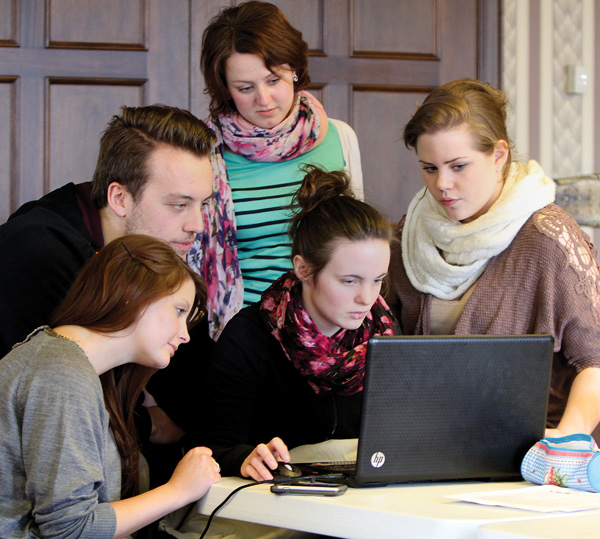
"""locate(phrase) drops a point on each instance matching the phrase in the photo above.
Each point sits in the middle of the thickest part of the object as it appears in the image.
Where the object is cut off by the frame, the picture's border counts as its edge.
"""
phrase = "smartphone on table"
(309, 489)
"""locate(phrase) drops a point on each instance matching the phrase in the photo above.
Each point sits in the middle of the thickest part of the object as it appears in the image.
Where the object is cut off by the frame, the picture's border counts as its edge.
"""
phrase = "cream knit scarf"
(445, 257)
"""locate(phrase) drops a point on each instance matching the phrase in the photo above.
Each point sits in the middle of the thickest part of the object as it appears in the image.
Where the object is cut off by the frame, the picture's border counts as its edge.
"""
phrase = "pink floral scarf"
(214, 252)
(329, 363)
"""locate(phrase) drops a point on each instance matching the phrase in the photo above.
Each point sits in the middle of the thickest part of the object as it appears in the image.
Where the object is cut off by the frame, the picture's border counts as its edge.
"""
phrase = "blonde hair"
(464, 101)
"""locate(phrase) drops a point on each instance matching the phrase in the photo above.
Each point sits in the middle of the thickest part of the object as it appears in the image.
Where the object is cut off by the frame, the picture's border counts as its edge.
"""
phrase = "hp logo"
(377, 459)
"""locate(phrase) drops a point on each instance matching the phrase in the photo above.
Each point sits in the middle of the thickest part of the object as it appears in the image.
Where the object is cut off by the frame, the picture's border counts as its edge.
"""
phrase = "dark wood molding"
(488, 41)
(14, 40)
(81, 45)
(85, 45)
(96, 81)
(323, 50)
(375, 55)
(388, 55)
(13, 141)
(391, 88)
(78, 81)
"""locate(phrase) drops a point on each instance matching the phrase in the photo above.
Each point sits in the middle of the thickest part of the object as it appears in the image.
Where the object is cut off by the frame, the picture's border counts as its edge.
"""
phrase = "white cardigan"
(351, 153)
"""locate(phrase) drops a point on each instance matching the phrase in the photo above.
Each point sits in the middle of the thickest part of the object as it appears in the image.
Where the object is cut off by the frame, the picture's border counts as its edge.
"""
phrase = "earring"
(295, 78)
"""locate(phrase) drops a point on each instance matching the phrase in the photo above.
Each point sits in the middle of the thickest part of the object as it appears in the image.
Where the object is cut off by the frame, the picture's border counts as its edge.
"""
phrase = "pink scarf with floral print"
(214, 252)
(329, 363)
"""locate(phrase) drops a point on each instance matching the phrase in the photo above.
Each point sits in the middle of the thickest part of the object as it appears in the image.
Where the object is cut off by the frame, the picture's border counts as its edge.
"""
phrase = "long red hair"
(108, 295)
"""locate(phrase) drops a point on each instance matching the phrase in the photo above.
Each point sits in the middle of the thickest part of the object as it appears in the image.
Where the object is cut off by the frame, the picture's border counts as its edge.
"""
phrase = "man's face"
(169, 206)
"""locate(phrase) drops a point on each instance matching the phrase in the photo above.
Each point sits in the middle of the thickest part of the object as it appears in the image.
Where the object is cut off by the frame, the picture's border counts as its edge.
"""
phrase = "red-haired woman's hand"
(196, 472)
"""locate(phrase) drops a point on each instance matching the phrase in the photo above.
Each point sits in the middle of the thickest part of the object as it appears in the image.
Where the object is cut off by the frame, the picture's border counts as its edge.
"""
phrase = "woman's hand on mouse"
(263, 459)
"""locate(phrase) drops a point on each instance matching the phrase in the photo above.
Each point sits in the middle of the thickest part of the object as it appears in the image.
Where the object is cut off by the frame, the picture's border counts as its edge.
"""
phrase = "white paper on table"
(545, 498)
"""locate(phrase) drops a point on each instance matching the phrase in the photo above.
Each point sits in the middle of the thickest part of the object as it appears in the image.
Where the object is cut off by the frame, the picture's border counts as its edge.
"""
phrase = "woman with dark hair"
(68, 447)
(290, 367)
(255, 66)
(483, 249)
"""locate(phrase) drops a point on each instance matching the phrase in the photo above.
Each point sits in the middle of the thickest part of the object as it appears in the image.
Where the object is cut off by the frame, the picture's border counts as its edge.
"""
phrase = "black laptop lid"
(452, 407)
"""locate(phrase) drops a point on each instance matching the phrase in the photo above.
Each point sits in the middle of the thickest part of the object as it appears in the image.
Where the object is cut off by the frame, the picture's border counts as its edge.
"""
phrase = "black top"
(42, 247)
(254, 393)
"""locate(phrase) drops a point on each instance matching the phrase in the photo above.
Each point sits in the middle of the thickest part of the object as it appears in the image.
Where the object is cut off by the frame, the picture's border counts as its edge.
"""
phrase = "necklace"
(53, 333)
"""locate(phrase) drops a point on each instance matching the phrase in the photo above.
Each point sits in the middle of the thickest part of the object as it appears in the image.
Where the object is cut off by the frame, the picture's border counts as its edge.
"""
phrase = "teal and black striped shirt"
(262, 194)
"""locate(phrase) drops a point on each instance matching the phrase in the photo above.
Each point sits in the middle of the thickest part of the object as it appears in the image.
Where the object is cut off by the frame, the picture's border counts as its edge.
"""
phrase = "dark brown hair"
(326, 211)
(253, 27)
(130, 138)
(109, 294)
(460, 102)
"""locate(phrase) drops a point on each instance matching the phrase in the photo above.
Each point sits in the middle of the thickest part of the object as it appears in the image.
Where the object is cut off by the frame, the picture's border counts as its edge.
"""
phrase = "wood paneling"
(9, 175)
(72, 137)
(488, 41)
(202, 12)
(395, 29)
(460, 30)
(318, 90)
(392, 173)
(382, 58)
(89, 24)
(309, 17)
(78, 61)
(169, 62)
(9, 23)
(65, 95)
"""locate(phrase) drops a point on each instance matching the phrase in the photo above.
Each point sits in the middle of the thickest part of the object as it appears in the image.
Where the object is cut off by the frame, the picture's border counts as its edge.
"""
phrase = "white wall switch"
(577, 79)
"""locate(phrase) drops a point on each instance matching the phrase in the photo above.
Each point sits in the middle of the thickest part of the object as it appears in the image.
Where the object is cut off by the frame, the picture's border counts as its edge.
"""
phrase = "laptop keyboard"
(342, 466)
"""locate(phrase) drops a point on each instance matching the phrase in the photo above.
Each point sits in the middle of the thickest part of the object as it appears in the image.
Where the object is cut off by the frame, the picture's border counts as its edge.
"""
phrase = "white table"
(398, 511)
(579, 525)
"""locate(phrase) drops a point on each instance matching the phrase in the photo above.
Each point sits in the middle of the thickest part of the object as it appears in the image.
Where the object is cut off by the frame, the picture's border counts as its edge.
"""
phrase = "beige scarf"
(445, 257)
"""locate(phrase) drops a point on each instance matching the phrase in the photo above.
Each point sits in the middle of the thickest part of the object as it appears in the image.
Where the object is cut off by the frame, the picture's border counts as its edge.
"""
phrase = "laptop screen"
(452, 407)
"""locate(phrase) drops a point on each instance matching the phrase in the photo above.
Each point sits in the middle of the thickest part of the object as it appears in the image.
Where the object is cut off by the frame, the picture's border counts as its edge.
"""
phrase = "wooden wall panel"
(77, 62)
(8, 134)
(9, 23)
(392, 173)
(461, 51)
(89, 24)
(158, 41)
(395, 28)
(318, 90)
(168, 58)
(202, 11)
(72, 137)
(309, 17)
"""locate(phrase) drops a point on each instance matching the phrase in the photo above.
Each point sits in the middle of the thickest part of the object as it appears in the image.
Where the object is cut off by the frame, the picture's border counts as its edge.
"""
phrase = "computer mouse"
(285, 469)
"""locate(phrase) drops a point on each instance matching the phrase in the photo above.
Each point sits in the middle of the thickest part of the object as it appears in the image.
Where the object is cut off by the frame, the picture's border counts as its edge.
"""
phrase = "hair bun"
(319, 186)
(326, 211)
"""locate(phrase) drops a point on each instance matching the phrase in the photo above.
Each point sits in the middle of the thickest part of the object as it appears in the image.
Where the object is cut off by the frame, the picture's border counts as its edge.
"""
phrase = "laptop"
(439, 408)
